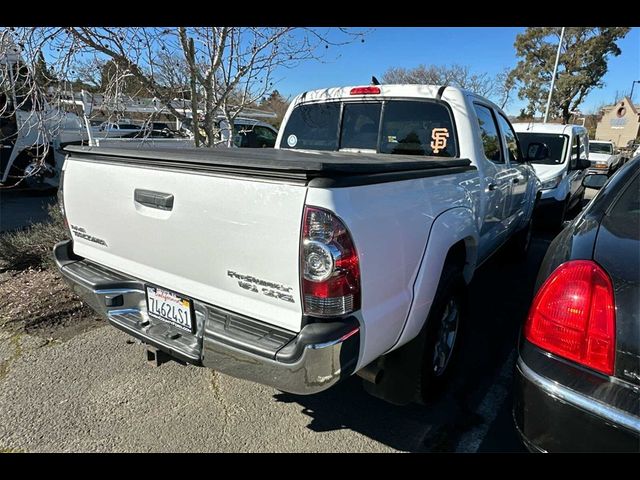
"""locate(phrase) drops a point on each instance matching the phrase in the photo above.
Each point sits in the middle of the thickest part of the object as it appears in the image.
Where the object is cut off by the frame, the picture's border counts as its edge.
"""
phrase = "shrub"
(32, 247)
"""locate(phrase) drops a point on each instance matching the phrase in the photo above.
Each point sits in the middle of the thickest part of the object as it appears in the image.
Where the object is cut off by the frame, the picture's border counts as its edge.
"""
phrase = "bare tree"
(504, 88)
(221, 70)
(455, 75)
(24, 113)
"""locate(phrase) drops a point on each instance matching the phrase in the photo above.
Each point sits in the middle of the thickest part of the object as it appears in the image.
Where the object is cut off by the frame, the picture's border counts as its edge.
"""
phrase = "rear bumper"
(553, 418)
(307, 362)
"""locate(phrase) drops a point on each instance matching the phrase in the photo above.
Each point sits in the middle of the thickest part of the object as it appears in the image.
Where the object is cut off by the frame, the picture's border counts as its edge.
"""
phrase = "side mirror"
(596, 180)
(582, 163)
(537, 151)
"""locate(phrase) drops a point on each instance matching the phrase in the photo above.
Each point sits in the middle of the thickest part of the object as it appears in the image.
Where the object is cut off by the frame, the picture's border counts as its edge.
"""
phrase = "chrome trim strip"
(590, 405)
(124, 311)
(116, 291)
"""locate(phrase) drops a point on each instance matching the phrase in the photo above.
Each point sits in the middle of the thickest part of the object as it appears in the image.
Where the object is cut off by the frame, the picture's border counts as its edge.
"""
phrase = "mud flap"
(399, 380)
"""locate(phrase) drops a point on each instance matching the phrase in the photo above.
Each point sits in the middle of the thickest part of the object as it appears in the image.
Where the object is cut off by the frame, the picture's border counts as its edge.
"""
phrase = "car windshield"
(600, 148)
(402, 127)
(557, 146)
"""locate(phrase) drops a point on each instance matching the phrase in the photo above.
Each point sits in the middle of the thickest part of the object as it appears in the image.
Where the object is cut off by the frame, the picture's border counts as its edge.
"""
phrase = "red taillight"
(330, 267)
(573, 315)
(365, 91)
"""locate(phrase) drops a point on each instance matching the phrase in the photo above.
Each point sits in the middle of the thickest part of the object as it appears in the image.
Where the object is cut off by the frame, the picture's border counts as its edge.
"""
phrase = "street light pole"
(633, 84)
(553, 78)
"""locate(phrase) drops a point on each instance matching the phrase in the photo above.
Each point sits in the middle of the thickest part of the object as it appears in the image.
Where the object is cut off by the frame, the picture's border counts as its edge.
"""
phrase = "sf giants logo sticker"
(439, 136)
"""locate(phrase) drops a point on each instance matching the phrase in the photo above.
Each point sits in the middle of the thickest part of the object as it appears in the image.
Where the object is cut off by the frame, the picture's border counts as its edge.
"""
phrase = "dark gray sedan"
(578, 371)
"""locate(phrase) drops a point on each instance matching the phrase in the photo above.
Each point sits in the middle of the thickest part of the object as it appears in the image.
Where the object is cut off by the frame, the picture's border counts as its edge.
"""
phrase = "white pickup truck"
(603, 157)
(345, 249)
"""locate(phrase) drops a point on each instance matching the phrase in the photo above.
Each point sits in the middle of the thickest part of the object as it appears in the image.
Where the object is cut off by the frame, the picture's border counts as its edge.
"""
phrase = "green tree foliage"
(121, 82)
(583, 62)
(277, 104)
(42, 75)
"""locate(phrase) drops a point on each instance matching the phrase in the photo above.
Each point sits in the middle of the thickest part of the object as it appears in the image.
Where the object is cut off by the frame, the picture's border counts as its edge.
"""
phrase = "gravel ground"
(39, 300)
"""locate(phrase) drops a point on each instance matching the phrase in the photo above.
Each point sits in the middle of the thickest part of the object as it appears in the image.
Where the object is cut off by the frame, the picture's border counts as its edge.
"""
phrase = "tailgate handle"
(149, 198)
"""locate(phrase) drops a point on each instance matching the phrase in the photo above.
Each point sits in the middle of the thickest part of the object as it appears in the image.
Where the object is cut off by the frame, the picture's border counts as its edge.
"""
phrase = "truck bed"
(318, 169)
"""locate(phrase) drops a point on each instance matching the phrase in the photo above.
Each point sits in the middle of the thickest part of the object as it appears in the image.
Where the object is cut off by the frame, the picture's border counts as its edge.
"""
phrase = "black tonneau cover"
(321, 169)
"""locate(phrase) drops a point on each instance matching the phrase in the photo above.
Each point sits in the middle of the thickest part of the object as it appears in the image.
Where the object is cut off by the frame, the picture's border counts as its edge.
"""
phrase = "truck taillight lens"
(330, 267)
(364, 91)
(573, 316)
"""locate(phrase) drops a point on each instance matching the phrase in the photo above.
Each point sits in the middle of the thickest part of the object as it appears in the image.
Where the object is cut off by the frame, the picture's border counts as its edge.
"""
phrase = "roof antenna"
(374, 80)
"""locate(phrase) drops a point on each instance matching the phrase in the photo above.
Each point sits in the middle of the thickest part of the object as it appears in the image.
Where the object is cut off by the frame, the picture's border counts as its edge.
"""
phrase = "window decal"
(439, 136)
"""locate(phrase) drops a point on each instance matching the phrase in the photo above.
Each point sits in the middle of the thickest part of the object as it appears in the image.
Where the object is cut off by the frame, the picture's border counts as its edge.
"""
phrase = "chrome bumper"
(609, 414)
(307, 362)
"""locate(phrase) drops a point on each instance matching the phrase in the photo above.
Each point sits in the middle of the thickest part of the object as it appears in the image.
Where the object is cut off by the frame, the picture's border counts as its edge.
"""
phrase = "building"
(620, 123)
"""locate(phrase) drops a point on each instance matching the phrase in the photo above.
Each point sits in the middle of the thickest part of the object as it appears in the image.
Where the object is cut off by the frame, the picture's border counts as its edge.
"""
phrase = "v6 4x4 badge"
(264, 287)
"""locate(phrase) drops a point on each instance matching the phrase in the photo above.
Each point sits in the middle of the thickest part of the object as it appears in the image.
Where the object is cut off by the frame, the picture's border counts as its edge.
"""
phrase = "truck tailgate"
(228, 241)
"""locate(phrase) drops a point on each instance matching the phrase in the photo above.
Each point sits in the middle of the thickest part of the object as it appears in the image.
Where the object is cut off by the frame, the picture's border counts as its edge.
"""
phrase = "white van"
(559, 168)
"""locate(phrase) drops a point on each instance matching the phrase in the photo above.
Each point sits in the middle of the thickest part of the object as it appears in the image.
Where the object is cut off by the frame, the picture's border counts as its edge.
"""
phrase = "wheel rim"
(446, 337)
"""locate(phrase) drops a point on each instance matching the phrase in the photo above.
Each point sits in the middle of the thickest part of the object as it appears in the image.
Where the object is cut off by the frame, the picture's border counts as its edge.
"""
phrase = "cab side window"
(489, 134)
(510, 138)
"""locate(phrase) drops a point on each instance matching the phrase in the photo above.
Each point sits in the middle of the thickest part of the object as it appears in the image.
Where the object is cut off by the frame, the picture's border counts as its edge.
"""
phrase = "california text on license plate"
(169, 307)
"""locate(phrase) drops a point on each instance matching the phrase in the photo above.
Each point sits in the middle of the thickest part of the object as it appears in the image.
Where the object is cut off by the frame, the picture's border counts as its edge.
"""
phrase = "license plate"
(170, 307)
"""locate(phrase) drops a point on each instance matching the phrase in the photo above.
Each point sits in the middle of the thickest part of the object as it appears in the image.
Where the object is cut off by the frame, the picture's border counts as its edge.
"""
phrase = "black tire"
(520, 241)
(434, 372)
(578, 206)
(557, 219)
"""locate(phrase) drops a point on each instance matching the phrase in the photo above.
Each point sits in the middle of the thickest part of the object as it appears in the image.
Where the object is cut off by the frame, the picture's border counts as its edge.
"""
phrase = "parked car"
(578, 370)
(250, 133)
(347, 248)
(561, 165)
(603, 157)
(32, 132)
(116, 130)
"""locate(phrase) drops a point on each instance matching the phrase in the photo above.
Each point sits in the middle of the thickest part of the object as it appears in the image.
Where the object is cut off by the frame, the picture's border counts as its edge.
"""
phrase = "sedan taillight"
(573, 316)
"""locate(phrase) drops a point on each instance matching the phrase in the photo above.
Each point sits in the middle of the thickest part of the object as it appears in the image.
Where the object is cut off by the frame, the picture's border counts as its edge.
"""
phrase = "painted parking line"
(489, 407)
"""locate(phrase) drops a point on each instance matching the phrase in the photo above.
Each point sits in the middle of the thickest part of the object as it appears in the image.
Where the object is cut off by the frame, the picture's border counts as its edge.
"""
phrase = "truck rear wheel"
(558, 214)
(521, 240)
(444, 326)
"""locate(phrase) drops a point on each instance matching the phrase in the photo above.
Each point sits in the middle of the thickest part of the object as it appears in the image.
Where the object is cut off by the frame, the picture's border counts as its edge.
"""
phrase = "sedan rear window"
(402, 127)
(624, 217)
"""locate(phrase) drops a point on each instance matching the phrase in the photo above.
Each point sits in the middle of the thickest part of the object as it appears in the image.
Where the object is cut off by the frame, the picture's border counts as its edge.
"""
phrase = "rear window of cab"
(401, 127)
